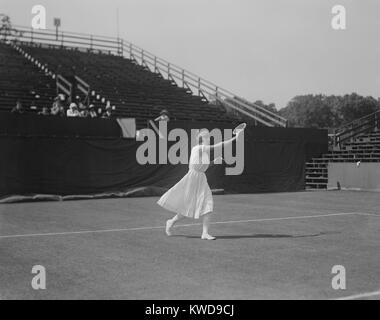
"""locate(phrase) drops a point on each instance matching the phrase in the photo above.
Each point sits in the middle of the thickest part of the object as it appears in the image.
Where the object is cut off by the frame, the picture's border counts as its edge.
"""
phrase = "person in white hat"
(164, 116)
(73, 111)
(92, 112)
(108, 113)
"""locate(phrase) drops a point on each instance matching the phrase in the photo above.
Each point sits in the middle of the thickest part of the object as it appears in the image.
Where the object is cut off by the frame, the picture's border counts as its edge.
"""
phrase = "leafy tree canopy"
(322, 111)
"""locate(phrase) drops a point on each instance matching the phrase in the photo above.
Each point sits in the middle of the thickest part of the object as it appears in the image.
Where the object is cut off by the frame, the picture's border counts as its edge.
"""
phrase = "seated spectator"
(108, 113)
(45, 112)
(57, 108)
(92, 112)
(18, 109)
(60, 111)
(164, 116)
(33, 106)
(83, 110)
(54, 111)
(61, 97)
(73, 111)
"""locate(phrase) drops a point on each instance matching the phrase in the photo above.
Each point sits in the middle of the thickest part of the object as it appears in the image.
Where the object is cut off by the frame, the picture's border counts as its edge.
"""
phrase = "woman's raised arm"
(225, 143)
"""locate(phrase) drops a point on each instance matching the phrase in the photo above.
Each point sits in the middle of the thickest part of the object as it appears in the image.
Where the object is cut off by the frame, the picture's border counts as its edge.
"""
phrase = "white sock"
(169, 224)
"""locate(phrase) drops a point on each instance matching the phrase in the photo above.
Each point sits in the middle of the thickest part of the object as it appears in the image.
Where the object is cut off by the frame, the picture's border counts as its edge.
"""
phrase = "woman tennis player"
(191, 197)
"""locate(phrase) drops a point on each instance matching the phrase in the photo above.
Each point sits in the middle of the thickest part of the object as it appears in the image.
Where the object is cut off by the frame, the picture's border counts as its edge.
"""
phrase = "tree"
(270, 107)
(6, 28)
(321, 111)
(5, 25)
(354, 106)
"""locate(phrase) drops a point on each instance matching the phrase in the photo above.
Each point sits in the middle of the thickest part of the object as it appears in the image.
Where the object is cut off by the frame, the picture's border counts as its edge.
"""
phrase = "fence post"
(155, 64)
(337, 140)
(91, 42)
(89, 96)
(199, 86)
(168, 70)
(31, 36)
(130, 51)
(183, 78)
(62, 38)
(142, 56)
(122, 47)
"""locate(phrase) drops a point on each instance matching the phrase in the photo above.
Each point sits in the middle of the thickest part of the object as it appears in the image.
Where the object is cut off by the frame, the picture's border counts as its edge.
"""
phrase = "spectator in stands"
(83, 110)
(54, 111)
(18, 109)
(73, 110)
(57, 108)
(61, 97)
(33, 105)
(62, 111)
(108, 113)
(164, 116)
(92, 112)
(45, 112)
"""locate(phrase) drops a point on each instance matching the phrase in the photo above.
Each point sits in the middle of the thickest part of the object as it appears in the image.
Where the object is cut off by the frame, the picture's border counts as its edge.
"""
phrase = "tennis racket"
(239, 128)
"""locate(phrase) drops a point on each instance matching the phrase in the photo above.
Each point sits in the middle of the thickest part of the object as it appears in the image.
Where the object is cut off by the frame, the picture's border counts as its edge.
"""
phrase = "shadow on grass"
(261, 235)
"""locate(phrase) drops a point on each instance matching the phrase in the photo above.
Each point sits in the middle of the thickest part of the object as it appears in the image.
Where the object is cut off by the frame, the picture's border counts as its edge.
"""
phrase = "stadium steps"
(365, 148)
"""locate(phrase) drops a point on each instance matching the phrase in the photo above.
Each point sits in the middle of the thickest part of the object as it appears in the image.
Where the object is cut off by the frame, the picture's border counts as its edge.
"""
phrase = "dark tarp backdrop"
(78, 167)
(35, 125)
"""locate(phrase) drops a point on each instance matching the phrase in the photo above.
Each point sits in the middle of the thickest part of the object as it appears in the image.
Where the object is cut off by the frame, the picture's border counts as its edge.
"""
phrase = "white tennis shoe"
(207, 237)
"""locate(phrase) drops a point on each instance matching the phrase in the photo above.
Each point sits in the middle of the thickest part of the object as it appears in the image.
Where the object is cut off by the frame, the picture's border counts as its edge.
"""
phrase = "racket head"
(239, 128)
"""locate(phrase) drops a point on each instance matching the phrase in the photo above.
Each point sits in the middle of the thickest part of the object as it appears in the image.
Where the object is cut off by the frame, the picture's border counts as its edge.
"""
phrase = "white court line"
(369, 214)
(180, 225)
(360, 295)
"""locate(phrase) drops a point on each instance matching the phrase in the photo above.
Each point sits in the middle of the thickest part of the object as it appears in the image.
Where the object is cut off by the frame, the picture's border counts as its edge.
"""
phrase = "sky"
(269, 50)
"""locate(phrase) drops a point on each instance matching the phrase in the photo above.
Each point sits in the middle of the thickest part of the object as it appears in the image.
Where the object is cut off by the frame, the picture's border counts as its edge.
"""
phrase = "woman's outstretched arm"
(225, 143)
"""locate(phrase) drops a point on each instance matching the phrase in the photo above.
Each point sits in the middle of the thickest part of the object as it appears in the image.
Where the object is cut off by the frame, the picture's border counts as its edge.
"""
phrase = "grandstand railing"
(85, 88)
(63, 85)
(65, 39)
(197, 85)
(359, 126)
(200, 86)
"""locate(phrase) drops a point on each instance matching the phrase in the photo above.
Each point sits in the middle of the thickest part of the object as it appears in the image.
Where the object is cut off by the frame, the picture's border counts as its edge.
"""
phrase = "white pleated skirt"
(190, 197)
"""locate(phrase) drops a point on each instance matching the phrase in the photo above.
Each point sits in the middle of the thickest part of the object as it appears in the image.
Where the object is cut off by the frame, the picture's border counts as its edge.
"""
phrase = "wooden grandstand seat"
(135, 91)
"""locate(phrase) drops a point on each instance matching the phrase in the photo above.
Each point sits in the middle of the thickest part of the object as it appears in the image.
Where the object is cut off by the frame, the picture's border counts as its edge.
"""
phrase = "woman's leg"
(206, 225)
(170, 223)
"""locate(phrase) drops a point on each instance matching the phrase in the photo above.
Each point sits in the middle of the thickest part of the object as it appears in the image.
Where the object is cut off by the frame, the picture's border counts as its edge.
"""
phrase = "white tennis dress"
(191, 196)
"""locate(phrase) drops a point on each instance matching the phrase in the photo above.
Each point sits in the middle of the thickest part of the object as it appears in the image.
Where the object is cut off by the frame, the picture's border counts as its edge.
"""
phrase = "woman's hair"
(202, 134)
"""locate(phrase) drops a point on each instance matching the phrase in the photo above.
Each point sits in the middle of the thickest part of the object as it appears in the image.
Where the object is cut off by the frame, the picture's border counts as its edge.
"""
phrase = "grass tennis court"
(269, 246)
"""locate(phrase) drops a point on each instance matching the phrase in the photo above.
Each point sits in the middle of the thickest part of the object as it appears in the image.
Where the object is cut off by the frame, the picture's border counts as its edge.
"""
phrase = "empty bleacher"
(134, 90)
(23, 80)
(364, 148)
